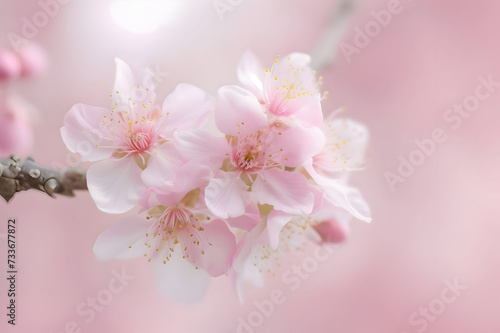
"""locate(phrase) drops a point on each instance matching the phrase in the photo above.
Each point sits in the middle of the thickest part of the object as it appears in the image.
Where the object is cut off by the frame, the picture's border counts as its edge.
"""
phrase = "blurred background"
(435, 227)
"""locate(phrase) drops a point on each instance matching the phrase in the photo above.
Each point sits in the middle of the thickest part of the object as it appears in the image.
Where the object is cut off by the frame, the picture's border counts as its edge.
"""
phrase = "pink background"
(440, 224)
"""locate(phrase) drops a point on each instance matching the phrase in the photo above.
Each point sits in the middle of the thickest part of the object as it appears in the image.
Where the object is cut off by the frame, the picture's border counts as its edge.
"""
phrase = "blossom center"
(249, 153)
(138, 141)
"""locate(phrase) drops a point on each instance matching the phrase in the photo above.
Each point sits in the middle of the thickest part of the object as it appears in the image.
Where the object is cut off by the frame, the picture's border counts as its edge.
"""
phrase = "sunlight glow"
(143, 16)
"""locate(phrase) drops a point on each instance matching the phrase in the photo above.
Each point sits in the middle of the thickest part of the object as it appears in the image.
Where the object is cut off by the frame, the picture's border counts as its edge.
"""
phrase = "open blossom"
(131, 140)
(344, 151)
(255, 257)
(267, 245)
(183, 241)
(253, 156)
(270, 244)
(276, 170)
(289, 89)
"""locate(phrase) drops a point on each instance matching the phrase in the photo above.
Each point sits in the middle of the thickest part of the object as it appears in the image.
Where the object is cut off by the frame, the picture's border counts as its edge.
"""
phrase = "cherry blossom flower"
(132, 141)
(274, 169)
(255, 258)
(253, 156)
(289, 89)
(183, 241)
(271, 242)
(344, 151)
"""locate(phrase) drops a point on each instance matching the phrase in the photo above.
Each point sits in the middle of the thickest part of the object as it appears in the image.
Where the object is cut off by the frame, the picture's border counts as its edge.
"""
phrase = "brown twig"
(18, 175)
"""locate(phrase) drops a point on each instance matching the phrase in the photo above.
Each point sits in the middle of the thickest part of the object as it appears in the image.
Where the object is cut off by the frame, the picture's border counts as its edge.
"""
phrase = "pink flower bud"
(33, 60)
(10, 66)
(333, 231)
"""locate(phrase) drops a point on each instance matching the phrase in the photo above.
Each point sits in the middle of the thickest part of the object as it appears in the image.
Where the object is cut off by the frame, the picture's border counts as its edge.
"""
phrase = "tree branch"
(18, 175)
(327, 46)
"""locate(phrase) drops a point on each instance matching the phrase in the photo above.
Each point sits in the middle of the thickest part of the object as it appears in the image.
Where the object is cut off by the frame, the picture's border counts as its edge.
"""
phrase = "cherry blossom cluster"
(229, 199)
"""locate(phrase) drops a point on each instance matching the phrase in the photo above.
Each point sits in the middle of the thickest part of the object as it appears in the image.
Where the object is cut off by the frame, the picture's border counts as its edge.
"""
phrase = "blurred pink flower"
(16, 136)
(33, 60)
(255, 257)
(10, 65)
(179, 236)
(289, 89)
(132, 140)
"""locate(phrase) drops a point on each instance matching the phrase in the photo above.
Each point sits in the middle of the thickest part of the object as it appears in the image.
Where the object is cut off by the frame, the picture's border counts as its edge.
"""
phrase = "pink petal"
(115, 185)
(340, 194)
(10, 65)
(239, 112)
(226, 195)
(349, 198)
(257, 237)
(250, 74)
(114, 242)
(124, 79)
(186, 108)
(242, 270)
(286, 191)
(131, 89)
(216, 246)
(191, 175)
(298, 143)
(162, 167)
(311, 113)
(178, 280)
(247, 221)
(154, 196)
(276, 220)
(321, 180)
(82, 133)
(346, 142)
(202, 146)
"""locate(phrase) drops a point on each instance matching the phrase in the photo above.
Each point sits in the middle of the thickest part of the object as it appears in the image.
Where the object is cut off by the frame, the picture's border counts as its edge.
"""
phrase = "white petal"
(346, 142)
(115, 185)
(286, 191)
(251, 73)
(349, 198)
(239, 112)
(226, 195)
(139, 89)
(276, 220)
(178, 280)
(162, 167)
(341, 195)
(186, 108)
(82, 132)
(203, 146)
(114, 242)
